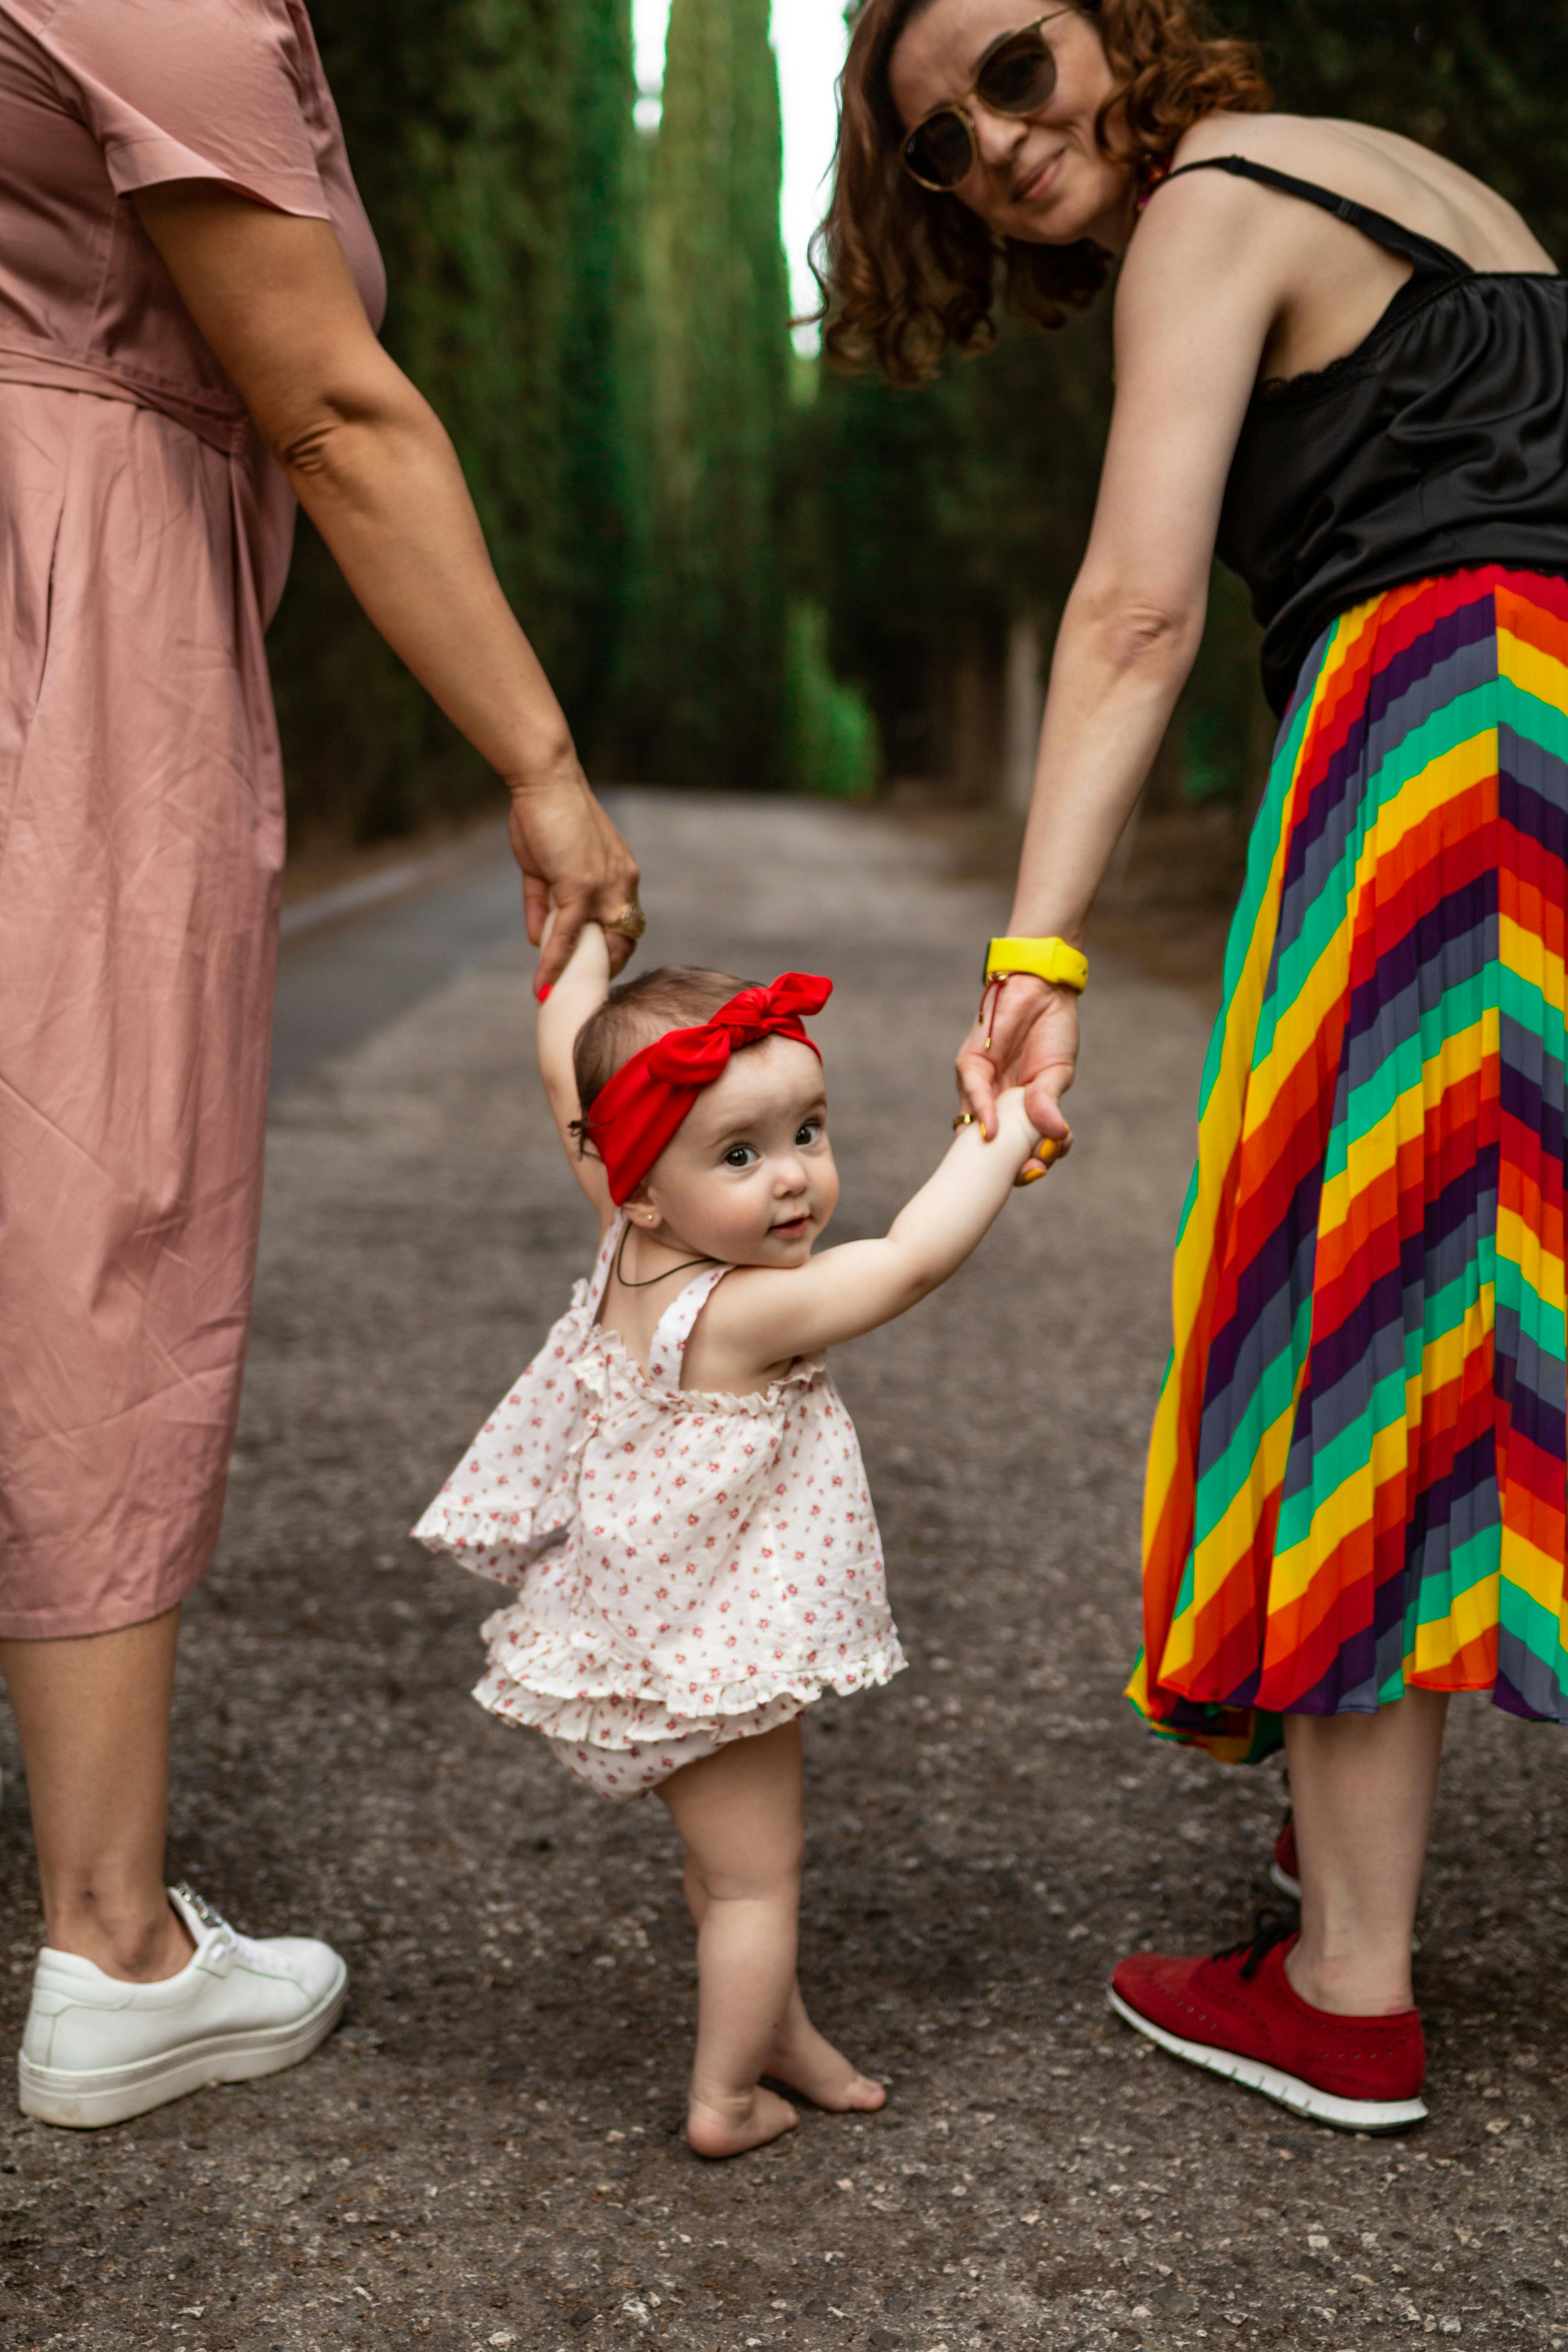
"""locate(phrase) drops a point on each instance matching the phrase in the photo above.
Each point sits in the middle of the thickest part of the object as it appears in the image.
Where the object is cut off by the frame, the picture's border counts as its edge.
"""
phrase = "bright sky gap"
(809, 38)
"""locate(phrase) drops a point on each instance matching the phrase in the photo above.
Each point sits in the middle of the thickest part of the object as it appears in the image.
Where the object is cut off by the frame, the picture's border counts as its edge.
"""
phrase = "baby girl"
(674, 1487)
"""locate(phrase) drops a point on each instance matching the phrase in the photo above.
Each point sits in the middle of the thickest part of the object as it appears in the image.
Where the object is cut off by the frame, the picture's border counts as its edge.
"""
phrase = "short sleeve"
(194, 89)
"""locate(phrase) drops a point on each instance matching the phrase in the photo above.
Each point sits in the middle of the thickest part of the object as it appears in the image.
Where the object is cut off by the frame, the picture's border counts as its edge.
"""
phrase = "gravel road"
(489, 2153)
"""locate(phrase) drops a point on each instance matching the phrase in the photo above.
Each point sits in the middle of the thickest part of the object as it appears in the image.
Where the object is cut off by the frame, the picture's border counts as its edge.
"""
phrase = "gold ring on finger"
(630, 923)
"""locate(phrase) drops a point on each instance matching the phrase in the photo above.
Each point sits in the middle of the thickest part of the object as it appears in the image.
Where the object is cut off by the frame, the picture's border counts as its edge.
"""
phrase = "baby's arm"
(580, 990)
(845, 1291)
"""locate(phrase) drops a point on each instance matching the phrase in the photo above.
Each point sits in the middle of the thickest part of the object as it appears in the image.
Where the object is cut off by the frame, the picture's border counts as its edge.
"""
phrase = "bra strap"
(1425, 257)
(675, 1327)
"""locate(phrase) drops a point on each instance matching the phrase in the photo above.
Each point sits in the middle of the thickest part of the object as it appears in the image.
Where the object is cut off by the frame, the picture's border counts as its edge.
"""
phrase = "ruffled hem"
(498, 1545)
(616, 1725)
(550, 1672)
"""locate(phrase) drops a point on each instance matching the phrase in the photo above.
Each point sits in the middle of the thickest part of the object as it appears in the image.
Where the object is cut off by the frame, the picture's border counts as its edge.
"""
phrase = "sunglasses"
(1017, 75)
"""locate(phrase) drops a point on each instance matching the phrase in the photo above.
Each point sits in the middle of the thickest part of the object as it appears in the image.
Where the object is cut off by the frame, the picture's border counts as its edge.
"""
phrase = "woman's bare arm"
(1200, 288)
(373, 469)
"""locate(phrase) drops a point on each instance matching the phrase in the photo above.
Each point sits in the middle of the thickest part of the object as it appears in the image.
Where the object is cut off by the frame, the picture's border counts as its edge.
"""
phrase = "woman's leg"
(1362, 1788)
(93, 1718)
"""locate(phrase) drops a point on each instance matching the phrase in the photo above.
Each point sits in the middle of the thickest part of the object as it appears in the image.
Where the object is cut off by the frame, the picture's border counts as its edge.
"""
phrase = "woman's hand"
(1027, 1037)
(575, 863)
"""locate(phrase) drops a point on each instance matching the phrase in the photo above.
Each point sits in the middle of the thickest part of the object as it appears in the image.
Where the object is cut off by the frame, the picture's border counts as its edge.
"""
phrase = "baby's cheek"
(734, 1220)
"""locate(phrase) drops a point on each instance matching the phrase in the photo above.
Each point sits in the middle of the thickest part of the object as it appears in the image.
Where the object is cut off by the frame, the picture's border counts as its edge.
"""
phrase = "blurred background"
(741, 570)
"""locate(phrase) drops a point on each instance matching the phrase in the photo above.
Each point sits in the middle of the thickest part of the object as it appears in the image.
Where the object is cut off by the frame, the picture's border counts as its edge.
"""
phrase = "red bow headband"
(637, 1112)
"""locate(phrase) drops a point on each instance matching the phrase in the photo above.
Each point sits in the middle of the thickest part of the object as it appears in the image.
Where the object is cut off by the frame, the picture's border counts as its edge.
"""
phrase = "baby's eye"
(808, 1133)
(740, 1155)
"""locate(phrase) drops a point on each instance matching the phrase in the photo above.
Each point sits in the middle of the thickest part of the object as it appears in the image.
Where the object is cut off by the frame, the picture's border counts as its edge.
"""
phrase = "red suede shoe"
(1239, 2015)
(1285, 1869)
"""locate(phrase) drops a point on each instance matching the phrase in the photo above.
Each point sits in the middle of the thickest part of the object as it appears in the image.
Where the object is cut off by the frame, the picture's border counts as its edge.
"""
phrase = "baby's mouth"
(791, 1228)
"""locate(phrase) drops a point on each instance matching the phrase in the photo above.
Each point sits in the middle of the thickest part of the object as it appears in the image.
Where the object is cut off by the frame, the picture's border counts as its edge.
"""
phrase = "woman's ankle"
(1354, 1984)
(138, 1940)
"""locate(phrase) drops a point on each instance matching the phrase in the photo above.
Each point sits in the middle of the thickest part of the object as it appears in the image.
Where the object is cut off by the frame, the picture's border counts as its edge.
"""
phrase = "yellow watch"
(1051, 959)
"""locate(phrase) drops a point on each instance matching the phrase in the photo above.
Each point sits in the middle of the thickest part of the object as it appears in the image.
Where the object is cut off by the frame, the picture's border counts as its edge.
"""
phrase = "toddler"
(674, 1487)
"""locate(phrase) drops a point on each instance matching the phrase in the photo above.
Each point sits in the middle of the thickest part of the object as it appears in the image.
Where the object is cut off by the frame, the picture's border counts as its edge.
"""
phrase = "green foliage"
(829, 732)
(491, 139)
(931, 517)
(708, 696)
(604, 373)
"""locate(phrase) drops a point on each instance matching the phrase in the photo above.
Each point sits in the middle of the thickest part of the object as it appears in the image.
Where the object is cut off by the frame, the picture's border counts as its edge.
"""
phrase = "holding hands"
(1025, 1034)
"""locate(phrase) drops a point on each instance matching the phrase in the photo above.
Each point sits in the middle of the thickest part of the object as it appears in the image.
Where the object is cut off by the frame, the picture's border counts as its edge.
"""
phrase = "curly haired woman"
(1342, 365)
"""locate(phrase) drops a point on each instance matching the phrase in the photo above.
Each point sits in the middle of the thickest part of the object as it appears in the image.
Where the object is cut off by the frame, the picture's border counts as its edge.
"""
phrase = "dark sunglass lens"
(1019, 76)
(940, 152)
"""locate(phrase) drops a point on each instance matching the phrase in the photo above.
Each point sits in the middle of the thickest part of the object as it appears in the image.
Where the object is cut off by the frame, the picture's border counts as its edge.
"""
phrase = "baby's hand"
(1041, 1151)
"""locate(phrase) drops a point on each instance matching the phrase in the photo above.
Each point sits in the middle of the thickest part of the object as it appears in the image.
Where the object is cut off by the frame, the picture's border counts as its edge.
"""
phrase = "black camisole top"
(1440, 443)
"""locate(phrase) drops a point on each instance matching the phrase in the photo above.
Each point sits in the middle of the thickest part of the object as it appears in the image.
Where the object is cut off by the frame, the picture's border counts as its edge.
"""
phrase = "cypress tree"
(602, 368)
(714, 649)
(489, 139)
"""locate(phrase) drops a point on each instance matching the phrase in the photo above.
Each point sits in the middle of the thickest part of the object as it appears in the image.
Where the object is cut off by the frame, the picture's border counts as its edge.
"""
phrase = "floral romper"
(690, 1568)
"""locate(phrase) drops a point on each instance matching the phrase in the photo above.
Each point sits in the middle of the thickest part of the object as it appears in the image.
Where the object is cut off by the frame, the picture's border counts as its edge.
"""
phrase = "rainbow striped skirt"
(1356, 1480)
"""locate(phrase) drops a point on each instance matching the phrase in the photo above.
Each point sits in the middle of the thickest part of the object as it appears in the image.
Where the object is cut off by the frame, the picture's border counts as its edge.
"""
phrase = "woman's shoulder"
(1380, 170)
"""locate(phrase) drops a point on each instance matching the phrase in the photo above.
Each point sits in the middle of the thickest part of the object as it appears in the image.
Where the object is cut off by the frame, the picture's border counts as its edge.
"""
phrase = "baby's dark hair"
(636, 1011)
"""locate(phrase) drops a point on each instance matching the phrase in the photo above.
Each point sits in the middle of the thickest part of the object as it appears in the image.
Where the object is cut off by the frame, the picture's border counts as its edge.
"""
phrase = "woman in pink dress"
(189, 291)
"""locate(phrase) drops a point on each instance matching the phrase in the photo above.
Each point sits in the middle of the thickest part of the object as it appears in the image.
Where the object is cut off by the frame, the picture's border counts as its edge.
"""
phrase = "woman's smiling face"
(1042, 177)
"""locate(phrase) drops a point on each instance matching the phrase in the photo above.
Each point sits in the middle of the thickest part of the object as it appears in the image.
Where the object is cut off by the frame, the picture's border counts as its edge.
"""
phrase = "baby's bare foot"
(730, 2126)
(809, 2063)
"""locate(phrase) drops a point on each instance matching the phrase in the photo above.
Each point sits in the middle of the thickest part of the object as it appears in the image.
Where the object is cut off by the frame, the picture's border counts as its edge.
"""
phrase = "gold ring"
(630, 923)
(964, 1118)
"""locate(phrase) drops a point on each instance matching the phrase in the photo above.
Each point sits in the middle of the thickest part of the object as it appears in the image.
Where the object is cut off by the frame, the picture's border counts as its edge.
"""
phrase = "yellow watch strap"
(1051, 960)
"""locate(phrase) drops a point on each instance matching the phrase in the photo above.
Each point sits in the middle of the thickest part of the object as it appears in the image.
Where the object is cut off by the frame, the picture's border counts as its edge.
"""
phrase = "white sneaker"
(97, 2049)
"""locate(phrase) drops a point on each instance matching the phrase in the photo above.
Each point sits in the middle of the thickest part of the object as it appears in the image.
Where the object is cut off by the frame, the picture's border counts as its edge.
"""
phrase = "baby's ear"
(639, 1206)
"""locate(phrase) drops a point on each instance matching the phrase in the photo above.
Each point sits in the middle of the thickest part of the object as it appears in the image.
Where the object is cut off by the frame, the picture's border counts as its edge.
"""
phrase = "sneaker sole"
(83, 2101)
(1284, 1883)
(1286, 2090)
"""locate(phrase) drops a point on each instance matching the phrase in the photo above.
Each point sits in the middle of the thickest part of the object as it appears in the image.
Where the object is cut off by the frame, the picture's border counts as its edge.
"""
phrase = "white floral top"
(682, 1558)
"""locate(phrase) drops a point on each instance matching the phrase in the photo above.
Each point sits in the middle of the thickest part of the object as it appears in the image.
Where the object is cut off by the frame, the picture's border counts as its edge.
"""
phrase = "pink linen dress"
(145, 539)
(691, 1568)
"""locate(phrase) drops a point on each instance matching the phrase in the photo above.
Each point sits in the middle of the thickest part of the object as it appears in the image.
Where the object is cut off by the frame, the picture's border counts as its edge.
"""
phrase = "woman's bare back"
(1339, 282)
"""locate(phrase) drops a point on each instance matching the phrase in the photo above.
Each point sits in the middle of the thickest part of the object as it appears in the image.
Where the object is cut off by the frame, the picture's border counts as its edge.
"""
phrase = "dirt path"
(489, 2154)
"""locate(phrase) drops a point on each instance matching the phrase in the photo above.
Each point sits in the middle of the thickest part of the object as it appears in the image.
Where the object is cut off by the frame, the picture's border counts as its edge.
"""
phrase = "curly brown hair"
(906, 274)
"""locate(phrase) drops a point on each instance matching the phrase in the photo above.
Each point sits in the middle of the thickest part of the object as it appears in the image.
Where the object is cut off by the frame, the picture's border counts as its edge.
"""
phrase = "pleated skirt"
(1356, 1477)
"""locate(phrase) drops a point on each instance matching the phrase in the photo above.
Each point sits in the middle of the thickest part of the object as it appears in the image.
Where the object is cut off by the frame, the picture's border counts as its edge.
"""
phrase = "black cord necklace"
(684, 1267)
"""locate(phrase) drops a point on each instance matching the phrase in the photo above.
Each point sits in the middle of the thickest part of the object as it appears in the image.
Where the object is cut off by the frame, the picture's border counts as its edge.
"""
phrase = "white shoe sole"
(86, 2100)
(1287, 2090)
(1284, 1883)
